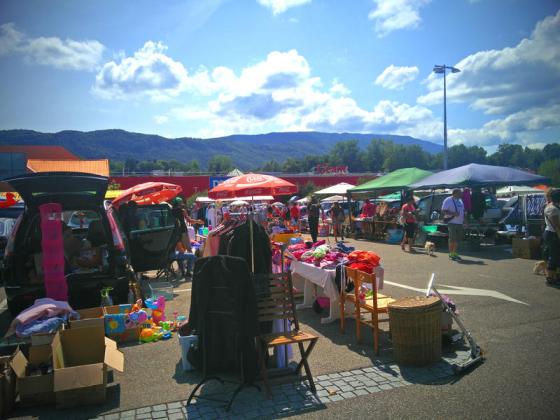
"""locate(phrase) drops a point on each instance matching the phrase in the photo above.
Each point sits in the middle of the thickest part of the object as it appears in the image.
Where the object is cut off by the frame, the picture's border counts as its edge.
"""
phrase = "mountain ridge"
(246, 150)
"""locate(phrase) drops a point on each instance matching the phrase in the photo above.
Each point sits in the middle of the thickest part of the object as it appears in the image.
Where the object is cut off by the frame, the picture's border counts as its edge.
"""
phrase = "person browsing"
(368, 209)
(407, 212)
(453, 211)
(551, 235)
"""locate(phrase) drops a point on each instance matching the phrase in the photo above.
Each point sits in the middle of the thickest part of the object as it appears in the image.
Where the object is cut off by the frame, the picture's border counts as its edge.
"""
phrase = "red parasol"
(148, 193)
(249, 185)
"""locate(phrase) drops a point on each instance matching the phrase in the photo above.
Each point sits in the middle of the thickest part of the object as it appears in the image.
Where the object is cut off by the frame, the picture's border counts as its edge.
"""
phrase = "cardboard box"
(80, 360)
(529, 249)
(33, 389)
(90, 317)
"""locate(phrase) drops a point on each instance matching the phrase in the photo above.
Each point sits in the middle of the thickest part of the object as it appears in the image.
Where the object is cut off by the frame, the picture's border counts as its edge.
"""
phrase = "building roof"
(41, 152)
(98, 167)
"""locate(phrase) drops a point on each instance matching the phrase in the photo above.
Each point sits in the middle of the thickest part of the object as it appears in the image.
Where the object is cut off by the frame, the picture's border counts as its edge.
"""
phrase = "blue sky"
(206, 68)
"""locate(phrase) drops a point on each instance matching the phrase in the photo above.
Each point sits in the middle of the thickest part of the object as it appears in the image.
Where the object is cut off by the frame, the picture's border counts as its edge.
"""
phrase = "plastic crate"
(162, 288)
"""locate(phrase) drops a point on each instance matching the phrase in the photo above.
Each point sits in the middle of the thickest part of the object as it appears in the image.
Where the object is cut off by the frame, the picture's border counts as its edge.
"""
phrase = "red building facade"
(196, 183)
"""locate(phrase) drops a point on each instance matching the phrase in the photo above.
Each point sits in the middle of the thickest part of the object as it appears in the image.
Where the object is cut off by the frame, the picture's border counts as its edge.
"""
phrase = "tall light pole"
(443, 69)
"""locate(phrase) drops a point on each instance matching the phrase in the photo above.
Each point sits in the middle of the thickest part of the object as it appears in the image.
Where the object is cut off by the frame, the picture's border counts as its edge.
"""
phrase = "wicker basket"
(416, 330)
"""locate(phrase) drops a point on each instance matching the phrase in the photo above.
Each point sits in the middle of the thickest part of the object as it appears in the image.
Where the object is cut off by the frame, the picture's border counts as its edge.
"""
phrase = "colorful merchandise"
(158, 309)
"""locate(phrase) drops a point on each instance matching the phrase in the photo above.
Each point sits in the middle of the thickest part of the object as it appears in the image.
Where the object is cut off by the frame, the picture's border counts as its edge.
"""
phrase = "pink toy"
(158, 310)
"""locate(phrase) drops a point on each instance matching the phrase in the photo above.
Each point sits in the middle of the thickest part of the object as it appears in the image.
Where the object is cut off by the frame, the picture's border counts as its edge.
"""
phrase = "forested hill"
(246, 151)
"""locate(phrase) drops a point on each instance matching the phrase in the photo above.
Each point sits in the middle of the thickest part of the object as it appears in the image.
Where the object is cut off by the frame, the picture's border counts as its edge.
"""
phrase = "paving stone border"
(293, 398)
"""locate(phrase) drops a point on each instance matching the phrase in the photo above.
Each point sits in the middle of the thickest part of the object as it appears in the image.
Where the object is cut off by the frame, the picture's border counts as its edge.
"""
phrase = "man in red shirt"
(294, 214)
(368, 209)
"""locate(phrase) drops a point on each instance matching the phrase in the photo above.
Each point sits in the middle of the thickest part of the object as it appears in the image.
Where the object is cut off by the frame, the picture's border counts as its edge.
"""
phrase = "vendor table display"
(323, 278)
(317, 268)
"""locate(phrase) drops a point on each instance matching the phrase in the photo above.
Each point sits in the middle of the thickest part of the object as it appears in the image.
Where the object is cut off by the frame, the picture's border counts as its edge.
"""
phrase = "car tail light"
(12, 238)
(117, 237)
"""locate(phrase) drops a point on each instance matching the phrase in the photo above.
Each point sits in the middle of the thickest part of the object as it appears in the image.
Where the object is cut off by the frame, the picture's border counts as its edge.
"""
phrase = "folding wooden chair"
(376, 304)
(275, 301)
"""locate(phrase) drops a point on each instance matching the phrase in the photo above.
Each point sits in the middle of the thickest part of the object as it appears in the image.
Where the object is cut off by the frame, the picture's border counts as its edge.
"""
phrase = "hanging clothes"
(467, 200)
(211, 216)
(223, 314)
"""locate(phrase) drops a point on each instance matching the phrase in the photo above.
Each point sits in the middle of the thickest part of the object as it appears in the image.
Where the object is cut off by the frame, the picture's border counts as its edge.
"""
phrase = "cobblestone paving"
(293, 398)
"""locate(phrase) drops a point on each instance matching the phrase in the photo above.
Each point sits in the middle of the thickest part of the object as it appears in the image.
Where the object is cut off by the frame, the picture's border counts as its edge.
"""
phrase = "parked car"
(430, 208)
(22, 263)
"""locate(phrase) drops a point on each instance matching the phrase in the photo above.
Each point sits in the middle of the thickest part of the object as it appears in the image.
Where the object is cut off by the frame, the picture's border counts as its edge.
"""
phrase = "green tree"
(374, 156)
(406, 157)
(220, 164)
(116, 167)
(272, 166)
(509, 155)
(552, 151)
(292, 165)
(462, 155)
(193, 166)
(130, 165)
(551, 169)
(349, 154)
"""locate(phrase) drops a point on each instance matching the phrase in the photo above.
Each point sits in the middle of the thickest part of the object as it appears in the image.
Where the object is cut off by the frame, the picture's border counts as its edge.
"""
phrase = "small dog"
(429, 247)
(539, 268)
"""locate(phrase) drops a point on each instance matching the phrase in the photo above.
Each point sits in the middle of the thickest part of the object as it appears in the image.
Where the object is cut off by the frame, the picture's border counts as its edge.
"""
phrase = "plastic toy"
(137, 306)
(158, 309)
(106, 299)
(138, 317)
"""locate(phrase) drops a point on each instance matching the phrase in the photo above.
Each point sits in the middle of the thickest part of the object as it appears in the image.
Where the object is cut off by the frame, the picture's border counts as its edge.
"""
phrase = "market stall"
(475, 177)
(383, 223)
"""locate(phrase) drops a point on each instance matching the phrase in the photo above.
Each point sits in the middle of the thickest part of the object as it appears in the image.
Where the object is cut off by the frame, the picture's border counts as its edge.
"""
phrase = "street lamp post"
(443, 69)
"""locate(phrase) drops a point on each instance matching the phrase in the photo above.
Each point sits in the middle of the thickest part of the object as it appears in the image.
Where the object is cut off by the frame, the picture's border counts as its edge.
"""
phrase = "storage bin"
(415, 325)
(162, 288)
(185, 341)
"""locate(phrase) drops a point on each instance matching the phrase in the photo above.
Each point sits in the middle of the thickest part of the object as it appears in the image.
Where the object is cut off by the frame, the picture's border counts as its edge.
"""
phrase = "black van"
(79, 194)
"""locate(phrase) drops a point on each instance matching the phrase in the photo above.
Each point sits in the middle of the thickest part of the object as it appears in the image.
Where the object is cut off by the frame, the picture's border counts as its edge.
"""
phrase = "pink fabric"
(53, 251)
(467, 200)
(45, 307)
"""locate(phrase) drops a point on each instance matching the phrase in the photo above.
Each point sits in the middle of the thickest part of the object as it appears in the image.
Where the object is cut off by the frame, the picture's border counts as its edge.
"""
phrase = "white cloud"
(148, 72)
(507, 80)
(51, 51)
(524, 127)
(393, 15)
(161, 119)
(394, 77)
(519, 86)
(280, 6)
(280, 93)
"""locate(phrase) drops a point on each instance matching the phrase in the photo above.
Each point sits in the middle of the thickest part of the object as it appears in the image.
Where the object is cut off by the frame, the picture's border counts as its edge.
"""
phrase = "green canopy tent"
(394, 181)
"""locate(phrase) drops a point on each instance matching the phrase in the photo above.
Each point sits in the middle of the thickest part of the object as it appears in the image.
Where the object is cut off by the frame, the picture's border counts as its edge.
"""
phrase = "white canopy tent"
(255, 198)
(517, 190)
(333, 198)
(338, 189)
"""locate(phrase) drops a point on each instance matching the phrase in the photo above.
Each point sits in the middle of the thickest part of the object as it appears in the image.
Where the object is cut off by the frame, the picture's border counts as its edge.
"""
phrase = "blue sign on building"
(216, 180)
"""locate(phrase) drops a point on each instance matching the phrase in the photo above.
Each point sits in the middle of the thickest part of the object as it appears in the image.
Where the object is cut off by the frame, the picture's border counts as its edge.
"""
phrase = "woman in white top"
(552, 235)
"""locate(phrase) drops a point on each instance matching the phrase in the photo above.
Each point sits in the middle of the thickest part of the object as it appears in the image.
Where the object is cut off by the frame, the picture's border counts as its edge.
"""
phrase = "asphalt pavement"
(510, 311)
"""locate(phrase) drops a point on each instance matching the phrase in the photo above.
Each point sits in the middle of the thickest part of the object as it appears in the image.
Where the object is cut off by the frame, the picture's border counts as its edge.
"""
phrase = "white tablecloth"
(326, 280)
(321, 277)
